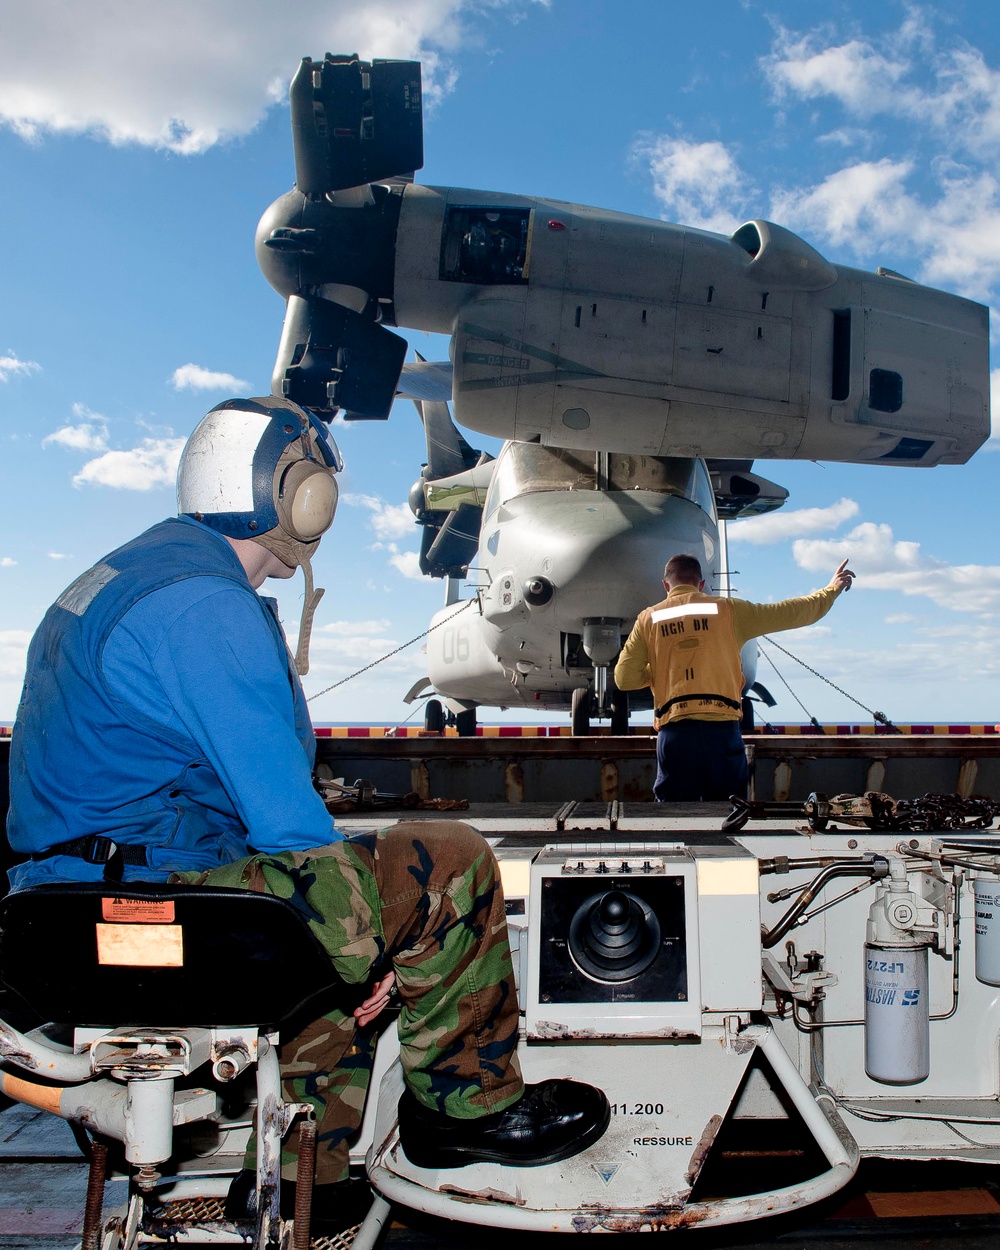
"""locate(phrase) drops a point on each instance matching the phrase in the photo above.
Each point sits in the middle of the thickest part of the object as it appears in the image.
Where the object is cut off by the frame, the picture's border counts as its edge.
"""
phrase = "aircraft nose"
(601, 555)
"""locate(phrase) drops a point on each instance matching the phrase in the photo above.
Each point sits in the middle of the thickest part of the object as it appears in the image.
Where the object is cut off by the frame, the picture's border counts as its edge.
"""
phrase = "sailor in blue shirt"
(163, 729)
(163, 725)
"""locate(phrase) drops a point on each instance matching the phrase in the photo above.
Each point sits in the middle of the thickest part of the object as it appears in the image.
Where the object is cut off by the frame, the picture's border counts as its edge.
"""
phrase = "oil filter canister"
(987, 929)
(897, 1017)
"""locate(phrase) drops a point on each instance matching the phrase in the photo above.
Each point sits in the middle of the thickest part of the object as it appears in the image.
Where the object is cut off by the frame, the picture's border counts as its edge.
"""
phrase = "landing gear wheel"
(433, 716)
(465, 722)
(619, 711)
(580, 712)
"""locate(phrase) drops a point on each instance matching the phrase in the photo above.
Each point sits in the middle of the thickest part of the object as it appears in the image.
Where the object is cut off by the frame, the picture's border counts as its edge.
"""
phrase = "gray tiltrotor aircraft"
(756, 1039)
(571, 545)
(582, 328)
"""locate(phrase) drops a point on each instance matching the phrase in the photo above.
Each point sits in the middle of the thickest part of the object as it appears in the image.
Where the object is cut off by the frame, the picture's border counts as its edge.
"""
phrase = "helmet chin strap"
(310, 603)
(292, 551)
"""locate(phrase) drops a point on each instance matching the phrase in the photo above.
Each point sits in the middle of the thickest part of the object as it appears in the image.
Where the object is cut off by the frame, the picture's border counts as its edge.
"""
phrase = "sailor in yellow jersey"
(687, 650)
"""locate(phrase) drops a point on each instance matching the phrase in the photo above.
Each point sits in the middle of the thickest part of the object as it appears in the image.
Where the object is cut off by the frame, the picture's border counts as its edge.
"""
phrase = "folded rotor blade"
(426, 380)
(448, 551)
(331, 357)
(355, 122)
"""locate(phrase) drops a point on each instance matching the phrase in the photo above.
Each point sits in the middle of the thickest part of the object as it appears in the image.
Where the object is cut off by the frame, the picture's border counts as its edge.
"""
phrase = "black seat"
(239, 957)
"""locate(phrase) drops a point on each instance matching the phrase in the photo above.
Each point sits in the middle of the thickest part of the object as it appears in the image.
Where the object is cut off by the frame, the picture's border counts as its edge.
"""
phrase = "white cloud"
(89, 434)
(153, 463)
(846, 137)
(865, 197)
(13, 652)
(776, 527)
(949, 228)
(348, 650)
(395, 520)
(340, 647)
(194, 378)
(59, 555)
(994, 410)
(883, 562)
(12, 366)
(960, 101)
(408, 563)
(864, 80)
(352, 629)
(699, 184)
(883, 678)
(6, 562)
(953, 235)
(218, 65)
(388, 520)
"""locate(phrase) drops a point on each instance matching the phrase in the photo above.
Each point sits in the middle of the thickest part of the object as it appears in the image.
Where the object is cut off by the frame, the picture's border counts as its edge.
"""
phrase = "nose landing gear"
(604, 701)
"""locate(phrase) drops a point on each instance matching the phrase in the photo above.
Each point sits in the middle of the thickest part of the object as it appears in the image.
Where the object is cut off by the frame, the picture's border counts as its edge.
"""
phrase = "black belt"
(686, 698)
(96, 849)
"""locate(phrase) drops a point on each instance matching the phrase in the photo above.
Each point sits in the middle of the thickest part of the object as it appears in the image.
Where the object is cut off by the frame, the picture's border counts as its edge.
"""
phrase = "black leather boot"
(551, 1121)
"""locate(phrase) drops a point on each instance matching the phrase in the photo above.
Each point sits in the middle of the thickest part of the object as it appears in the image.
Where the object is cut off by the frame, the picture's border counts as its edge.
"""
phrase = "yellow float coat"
(687, 649)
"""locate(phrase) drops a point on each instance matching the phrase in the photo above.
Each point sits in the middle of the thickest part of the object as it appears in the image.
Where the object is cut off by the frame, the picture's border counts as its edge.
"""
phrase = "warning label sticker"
(138, 910)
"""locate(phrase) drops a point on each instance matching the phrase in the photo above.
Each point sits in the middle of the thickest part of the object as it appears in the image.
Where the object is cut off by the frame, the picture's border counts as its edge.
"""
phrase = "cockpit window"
(665, 475)
(524, 468)
(488, 246)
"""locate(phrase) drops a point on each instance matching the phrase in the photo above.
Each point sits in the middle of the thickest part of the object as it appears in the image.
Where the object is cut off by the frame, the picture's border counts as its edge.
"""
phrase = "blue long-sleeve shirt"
(165, 713)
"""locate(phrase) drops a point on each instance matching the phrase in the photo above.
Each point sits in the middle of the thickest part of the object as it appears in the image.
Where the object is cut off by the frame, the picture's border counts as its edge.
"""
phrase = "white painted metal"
(149, 1120)
(269, 1131)
(372, 1225)
(41, 1056)
(640, 1175)
(622, 1018)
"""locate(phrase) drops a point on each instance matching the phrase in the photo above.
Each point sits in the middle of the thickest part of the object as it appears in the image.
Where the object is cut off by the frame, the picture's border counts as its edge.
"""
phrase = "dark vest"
(83, 761)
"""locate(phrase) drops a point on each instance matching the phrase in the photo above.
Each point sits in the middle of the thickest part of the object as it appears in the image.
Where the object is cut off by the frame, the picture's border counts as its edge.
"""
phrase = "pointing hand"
(843, 577)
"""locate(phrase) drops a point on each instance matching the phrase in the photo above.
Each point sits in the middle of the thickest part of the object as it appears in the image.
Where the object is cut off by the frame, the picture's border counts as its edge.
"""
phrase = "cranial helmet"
(256, 465)
(264, 469)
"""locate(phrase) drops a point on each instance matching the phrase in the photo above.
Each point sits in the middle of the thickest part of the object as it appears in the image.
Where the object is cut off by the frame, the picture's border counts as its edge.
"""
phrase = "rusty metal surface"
(522, 771)
(782, 766)
(93, 1207)
(765, 746)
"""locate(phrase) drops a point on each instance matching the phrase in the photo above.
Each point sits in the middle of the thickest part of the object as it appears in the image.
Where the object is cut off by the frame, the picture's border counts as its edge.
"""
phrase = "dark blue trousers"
(700, 760)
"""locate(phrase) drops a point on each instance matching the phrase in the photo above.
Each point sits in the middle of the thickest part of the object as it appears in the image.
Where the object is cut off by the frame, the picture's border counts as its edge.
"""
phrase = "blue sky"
(140, 142)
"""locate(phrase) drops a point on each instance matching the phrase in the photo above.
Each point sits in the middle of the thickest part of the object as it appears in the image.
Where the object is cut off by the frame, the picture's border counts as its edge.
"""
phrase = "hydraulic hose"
(876, 868)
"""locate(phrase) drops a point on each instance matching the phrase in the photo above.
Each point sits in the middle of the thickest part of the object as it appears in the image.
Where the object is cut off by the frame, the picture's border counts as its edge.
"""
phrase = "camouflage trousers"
(424, 899)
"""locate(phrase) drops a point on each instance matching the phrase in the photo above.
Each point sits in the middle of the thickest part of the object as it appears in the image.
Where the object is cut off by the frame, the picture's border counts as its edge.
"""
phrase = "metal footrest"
(340, 1241)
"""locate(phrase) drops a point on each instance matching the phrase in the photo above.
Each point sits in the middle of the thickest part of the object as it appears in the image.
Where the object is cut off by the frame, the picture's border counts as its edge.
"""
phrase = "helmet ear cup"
(306, 499)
